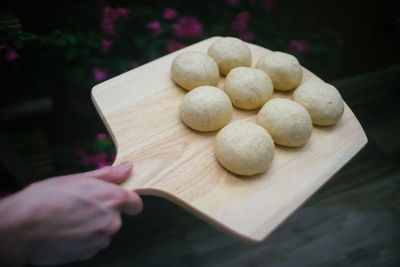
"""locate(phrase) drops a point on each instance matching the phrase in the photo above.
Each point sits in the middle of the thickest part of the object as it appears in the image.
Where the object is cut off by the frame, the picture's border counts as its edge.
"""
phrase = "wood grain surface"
(140, 110)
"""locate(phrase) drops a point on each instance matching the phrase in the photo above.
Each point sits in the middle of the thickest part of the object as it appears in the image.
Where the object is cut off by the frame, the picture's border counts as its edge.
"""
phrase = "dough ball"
(248, 88)
(288, 122)
(322, 100)
(283, 69)
(230, 53)
(244, 148)
(205, 109)
(194, 69)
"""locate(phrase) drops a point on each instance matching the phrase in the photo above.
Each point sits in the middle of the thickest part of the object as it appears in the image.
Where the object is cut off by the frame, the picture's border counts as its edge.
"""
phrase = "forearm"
(13, 240)
(59, 220)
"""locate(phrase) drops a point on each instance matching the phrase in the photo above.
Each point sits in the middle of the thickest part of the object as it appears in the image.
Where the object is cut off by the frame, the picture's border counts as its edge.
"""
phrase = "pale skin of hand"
(65, 218)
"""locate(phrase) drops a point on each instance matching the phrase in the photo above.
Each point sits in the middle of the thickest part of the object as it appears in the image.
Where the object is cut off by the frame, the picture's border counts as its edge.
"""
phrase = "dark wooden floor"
(353, 220)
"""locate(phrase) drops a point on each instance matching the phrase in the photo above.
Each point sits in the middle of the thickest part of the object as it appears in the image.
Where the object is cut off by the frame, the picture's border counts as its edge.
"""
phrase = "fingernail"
(126, 165)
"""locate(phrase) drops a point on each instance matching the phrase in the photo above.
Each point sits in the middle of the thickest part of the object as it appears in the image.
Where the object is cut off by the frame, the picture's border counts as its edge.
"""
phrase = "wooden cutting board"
(140, 111)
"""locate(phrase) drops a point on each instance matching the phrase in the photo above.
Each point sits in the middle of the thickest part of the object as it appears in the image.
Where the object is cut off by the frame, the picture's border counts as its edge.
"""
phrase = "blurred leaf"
(27, 36)
(60, 42)
(18, 44)
(70, 55)
(318, 49)
(100, 145)
(70, 38)
(76, 76)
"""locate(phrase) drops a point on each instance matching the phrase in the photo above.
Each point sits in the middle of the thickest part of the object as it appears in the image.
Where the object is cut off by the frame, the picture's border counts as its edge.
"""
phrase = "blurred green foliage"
(62, 54)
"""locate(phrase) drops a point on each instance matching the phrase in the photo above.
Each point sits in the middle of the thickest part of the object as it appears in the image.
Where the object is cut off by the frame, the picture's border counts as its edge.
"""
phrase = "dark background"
(50, 127)
(59, 45)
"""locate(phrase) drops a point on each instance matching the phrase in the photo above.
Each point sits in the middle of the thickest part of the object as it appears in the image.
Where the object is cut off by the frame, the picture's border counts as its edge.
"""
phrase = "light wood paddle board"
(140, 110)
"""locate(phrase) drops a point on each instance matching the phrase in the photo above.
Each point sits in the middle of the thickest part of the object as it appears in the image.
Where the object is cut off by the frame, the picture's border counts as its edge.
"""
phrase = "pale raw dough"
(244, 148)
(230, 53)
(287, 121)
(193, 69)
(283, 69)
(322, 100)
(248, 88)
(205, 109)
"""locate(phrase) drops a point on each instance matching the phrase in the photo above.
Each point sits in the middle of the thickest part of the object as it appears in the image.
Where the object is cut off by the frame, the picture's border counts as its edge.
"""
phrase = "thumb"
(113, 174)
(133, 204)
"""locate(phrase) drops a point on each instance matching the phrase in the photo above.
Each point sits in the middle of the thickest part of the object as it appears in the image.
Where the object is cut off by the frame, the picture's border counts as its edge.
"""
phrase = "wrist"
(14, 231)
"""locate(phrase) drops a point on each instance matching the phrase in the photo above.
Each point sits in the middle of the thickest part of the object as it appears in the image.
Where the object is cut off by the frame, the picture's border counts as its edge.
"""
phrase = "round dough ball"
(193, 69)
(283, 69)
(206, 109)
(288, 122)
(244, 148)
(248, 88)
(230, 53)
(322, 100)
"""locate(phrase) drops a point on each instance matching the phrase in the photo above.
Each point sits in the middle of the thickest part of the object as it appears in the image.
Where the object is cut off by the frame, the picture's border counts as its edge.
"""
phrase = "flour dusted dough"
(283, 69)
(230, 53)
(192, 69)
(322, 100)
(206, 108)
(248, 88)
(287, 121)
(244, 148)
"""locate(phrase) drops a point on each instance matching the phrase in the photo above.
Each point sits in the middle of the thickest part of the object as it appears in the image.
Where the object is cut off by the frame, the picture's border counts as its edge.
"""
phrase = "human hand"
(65, 218)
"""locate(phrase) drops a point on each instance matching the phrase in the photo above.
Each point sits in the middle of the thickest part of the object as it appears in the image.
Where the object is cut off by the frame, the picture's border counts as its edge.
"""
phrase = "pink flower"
(131, 66)
(105, 45)
(102, 136)
(110, 16)
(188, 27)
(241, 22)
(169, 13)
(11, 54)
(241, 26)
(299, 46)
(99, 75)
(246, 35)
(98, 159)
(155, 27)
(134, 65)
(173, 45)
(270, 4)
(103, 164)
(244, 15)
